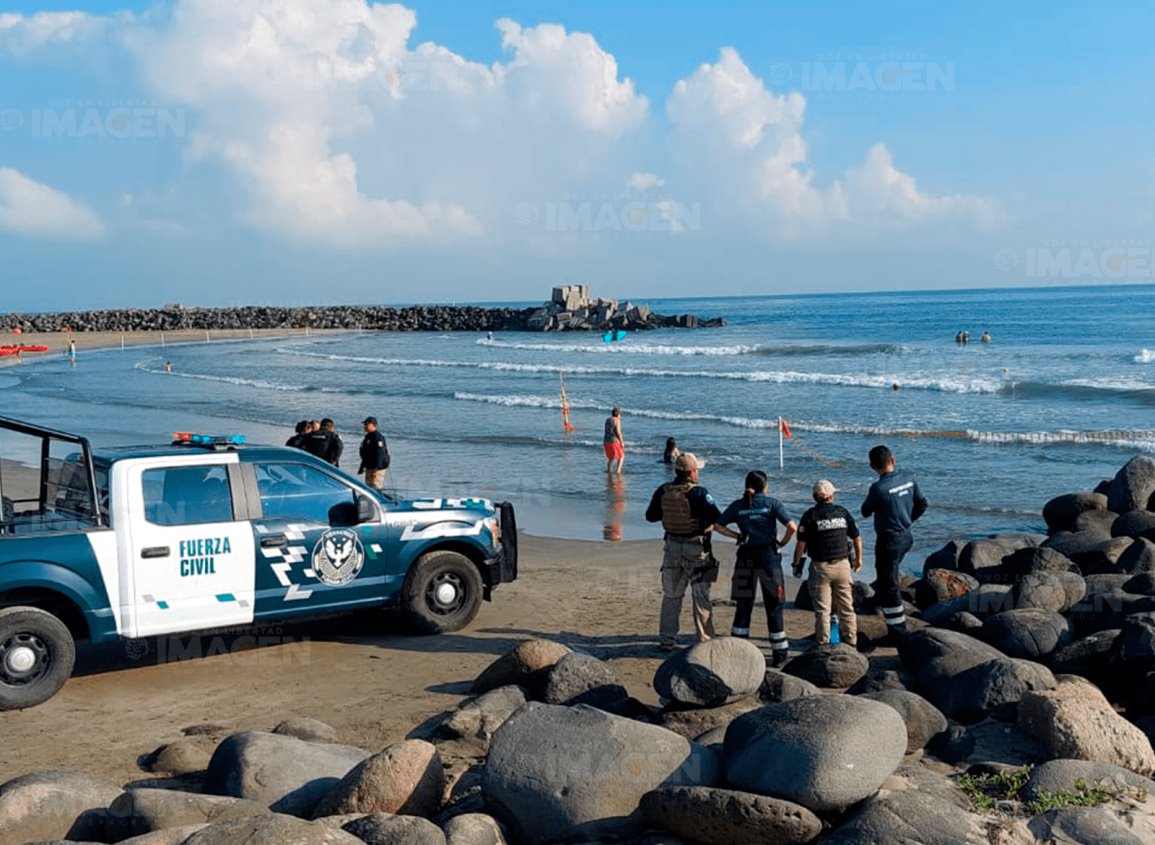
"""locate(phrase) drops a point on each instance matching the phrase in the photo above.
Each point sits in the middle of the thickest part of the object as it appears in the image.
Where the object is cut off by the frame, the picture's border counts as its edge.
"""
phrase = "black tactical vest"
(826, 536)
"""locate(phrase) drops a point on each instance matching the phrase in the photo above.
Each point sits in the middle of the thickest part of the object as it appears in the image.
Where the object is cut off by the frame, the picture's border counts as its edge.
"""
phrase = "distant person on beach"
(672, 451)
(986, 338)
(168, 366)
(688, 514)
(71, 351)
(826, 532)
(613, 443)
(336, 444)
(958, 337)
(895, 501)
(374, 455)
(759, 560)
(300, 432)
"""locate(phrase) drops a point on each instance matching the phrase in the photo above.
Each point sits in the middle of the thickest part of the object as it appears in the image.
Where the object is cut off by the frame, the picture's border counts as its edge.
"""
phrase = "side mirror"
(365, 508)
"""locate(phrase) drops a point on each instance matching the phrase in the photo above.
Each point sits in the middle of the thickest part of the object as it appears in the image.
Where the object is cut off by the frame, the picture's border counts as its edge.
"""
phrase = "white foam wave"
(944, 384)
(1145, 356)
(237, 380)
(1122, 385)
(625, 348)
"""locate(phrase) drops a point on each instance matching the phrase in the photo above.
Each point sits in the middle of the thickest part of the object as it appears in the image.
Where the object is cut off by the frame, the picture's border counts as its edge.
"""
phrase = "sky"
(295, 152)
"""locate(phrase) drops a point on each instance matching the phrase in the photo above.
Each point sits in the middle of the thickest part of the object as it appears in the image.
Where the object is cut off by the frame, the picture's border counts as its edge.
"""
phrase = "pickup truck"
(209, 532)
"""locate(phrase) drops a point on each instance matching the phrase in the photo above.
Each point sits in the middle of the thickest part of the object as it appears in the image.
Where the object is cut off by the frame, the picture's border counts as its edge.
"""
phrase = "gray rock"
(273, 829)
(284, 773)
(1061, 775)
(715, 672)
(1095, 522)
(994, 689)
(53, 805)
(1088, 656)
(944, 558)
(983, 558)
(140, 811)
(1137, 638)
(1053, 591)
(1076, 721)
(387, 829)
(1028, 633)
(1138, 558)
(1099, 611)
(1037, 559)
(1133, 486)
(942, 585)
(1081, 826)
(778, 686)
(879, 678)
(405, 778)
(474, 829)
(310, 730)
(1135, 524)
(727, 817)
(909, 817)
(824, 752)
(829, 666)
(184, 756)
(937, 656)
(1142, 584)
(168, 836)
(583, 679)
(964, 623)
(954, 745)
(1105, 582)
(526, 665)
(476, 720)
(1092, 553)
(1060, 512)
(693, 723)
(986, 600)
(584, 771)
(923, 720)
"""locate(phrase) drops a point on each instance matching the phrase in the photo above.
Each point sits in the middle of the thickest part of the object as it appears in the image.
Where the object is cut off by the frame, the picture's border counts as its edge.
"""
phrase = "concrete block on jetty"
(570, 309)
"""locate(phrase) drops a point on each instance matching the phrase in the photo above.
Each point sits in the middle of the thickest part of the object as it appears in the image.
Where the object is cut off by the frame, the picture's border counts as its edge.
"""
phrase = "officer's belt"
(686, 538)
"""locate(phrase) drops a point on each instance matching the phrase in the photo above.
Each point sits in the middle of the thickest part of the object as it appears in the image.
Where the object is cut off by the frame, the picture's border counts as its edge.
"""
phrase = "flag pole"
(781, 455)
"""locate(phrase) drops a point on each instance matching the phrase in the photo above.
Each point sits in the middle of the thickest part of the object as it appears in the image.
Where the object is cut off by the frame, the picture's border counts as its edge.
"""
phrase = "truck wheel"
(36, 656)
(442, 592)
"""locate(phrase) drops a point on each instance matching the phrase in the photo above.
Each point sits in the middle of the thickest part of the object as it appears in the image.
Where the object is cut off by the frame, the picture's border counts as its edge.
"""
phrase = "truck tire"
(36, 656)
(442, 592)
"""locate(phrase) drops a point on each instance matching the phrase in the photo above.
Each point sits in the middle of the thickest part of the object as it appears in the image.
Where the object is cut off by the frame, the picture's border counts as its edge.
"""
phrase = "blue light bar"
(208, 439)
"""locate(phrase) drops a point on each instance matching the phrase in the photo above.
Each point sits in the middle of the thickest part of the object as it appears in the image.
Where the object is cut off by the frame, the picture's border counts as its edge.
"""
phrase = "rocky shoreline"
(1018, 709)
(565, 312)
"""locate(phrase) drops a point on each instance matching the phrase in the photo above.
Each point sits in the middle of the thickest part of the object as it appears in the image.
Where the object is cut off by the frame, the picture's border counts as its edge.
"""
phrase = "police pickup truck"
(208, 532)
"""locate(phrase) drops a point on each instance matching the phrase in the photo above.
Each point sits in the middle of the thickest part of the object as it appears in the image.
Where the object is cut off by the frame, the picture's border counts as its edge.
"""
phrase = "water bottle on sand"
(835, 636)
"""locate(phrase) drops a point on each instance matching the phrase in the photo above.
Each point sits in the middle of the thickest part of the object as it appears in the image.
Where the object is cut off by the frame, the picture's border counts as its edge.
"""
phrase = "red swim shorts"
(614, 451)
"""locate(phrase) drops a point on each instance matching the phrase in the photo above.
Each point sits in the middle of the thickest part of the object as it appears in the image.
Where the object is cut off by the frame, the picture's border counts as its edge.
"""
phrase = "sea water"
(1062, 396)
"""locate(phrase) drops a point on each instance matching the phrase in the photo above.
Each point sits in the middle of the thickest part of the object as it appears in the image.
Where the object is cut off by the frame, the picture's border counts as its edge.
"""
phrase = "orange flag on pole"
(784, 428)
(564, 407)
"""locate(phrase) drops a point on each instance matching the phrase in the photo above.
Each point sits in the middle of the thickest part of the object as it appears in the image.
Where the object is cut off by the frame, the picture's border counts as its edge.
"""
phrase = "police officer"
(825, 531)
(316, 441)
(759, 560)
(335, 446)
(895, 501)
(687, 513)
(300, 432)
(374, 455)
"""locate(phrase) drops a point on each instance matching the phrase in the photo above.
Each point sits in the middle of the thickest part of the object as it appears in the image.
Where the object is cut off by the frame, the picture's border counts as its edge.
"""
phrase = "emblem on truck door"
(338, 557)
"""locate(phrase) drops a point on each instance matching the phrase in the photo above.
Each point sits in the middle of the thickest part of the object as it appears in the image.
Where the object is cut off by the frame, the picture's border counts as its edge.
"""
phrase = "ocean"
(1062, 396)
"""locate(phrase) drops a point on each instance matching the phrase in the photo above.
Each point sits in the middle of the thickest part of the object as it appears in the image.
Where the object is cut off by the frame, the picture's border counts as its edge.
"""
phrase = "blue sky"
(329, 151)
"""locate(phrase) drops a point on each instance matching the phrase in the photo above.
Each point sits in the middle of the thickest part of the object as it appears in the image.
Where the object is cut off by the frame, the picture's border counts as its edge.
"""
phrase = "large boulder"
(273, 829)
(1060, 512)
(694, 722)
(1092, 553)
(1142, 584)
(879, 678)
(1099, 611)
(824, 752)
(986, 600)
(167, 836)
(184, 756)
(583, 771)
(284, 773)
(1090, 656)
(1056, 776)
(54, 805)
(711, 673)
(140, 811)
(1135, 524)
(388, 829)
(937, 656)
(1036, 559)
(944, 558)
(923, 720)
(1029, 633)
(942, 585)
(1133, 486)
(1138, 558)
(1078, 825)
(829, 666)
(526, 665)
(1137, 638)
(583, 679)
(474, 829)
(994, 689)
(778, 686)
(1076, 721)
(406, 778)
(477, 719)
(1053, 591)
(726, 817)
(984, 558)
(308, 729)
(1095, 522)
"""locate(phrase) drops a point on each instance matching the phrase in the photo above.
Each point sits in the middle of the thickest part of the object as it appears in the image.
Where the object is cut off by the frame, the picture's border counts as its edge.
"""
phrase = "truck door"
(312, 553)
(190, 558)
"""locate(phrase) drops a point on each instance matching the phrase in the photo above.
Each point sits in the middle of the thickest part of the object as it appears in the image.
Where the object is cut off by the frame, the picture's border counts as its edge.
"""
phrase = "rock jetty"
(1023, 715)
(570, 309)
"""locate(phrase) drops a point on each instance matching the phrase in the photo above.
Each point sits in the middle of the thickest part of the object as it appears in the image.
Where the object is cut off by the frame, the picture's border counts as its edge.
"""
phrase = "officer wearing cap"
(374, 455)
(825, 531)
(687, 513)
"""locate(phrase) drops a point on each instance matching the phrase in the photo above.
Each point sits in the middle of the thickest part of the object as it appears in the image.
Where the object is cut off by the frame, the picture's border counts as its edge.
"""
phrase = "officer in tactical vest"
(825, 532)
(687, 513)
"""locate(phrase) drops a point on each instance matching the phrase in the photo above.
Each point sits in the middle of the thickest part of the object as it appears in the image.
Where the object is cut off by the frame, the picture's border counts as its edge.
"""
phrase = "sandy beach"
(361, 673)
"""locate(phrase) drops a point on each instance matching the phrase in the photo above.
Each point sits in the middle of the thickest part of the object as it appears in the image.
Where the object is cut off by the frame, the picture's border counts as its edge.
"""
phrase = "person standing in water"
(613, 443)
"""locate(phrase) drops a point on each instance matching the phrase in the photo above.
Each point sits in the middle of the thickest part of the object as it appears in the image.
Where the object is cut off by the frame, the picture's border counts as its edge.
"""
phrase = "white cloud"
(22, 34)
(640, 181)
(28, 207)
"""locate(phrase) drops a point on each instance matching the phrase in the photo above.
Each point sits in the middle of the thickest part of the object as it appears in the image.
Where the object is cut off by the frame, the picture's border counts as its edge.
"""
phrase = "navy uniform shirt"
(759, 520)
(374, 452)
(702, 508)
(895, 502)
